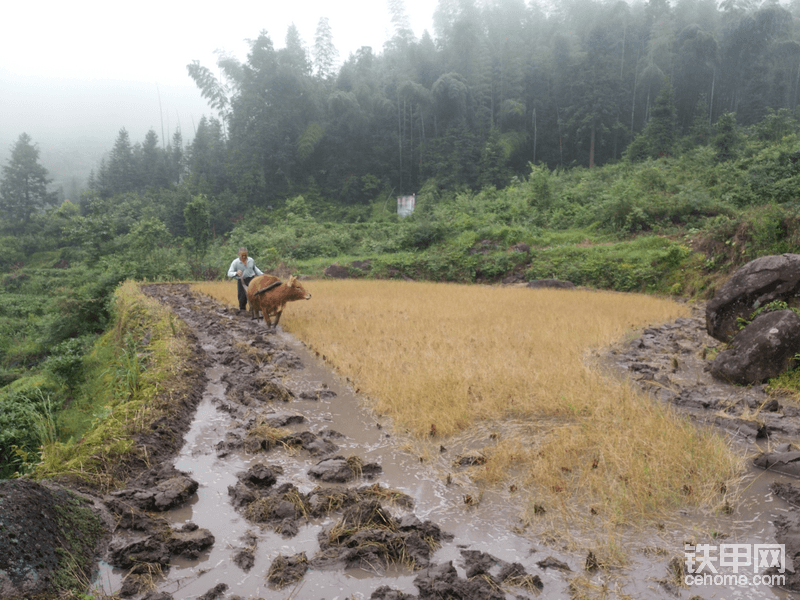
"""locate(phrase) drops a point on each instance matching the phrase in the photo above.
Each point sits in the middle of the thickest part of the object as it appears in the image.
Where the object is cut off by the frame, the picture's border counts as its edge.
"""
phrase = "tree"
(212, 89)
(659, 135)
(661, 128)
(152, 164)
(294, 55)
(403, 35)
(325, 53)
(23, 190)
(121, 174)
(594, 93)
(198, 217)
(700, 131)
(176, 161)
(727, 139)
(493, 169)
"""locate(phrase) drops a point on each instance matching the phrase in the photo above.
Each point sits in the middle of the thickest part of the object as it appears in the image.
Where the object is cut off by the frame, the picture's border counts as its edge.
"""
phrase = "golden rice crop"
(447, 361)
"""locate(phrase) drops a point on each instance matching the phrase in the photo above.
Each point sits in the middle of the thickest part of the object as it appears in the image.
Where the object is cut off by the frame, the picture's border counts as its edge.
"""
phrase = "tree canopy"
(23, 189)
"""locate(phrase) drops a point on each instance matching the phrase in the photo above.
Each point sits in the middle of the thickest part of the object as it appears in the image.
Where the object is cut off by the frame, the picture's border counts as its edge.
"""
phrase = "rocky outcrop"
(337, 272)
(762, 350)
(754, 285)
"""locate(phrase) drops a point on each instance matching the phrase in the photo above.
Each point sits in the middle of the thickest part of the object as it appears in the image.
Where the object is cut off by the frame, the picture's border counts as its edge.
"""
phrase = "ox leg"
(277, 318)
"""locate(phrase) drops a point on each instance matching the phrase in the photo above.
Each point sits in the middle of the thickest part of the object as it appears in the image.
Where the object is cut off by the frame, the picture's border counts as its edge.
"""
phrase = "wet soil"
(288, 486)
(672, 363)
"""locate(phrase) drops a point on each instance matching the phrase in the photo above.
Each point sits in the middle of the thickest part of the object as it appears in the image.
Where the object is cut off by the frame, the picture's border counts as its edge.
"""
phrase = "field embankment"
(137, 370)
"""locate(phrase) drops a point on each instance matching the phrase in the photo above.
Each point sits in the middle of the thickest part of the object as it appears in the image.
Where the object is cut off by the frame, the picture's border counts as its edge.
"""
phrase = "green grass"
(121, 396)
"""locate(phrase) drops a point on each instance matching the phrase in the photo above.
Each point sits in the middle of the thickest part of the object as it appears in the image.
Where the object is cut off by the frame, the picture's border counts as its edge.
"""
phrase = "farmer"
(244, 269)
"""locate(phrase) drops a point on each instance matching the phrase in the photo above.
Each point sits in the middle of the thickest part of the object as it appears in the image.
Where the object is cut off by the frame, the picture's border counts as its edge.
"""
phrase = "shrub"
(26, 423)
(66, 361)
(81, 311)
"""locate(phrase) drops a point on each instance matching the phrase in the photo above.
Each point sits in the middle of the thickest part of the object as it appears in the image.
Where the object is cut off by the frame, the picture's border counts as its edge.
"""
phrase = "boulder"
(308, 441)
(755, 284)
(126, 554)
(763, 349)
(173, 492)
(337, 272)
(551, 283)
(521, 247)
(48, 539)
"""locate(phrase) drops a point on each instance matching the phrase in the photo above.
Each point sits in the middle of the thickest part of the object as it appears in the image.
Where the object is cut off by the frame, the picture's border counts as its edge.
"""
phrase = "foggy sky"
(73, 74)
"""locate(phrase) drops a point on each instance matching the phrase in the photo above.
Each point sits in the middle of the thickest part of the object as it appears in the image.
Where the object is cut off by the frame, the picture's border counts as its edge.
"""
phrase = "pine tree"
(121, 166)
(23, 189)
(662, 126)
(325, 53)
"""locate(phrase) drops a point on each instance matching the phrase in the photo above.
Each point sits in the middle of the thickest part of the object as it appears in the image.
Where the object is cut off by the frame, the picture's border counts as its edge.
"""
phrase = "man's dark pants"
(242, 292)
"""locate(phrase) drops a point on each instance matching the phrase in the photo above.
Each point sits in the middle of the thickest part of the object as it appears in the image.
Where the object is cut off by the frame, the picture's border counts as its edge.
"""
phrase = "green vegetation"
(82, 530)
(674, 214)
(131, 372)
(675, 226)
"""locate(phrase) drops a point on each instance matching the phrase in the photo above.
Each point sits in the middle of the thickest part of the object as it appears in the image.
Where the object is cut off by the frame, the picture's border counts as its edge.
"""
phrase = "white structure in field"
(405, 205)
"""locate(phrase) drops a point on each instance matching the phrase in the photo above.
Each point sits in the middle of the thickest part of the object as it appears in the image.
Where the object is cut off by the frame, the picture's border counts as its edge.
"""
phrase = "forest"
(643, 147)
(495, 87)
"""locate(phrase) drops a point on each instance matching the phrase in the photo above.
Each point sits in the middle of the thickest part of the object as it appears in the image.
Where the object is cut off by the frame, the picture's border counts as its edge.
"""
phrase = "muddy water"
(491, 526)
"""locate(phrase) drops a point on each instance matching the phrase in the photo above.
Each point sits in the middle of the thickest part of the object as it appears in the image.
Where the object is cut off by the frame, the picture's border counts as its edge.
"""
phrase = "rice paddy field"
(504, 373)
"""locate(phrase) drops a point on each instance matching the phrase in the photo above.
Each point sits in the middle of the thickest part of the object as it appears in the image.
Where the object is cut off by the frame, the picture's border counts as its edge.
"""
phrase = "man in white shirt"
(244, 269)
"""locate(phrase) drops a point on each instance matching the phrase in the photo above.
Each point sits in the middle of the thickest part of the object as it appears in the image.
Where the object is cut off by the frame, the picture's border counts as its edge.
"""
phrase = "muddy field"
(287, 486)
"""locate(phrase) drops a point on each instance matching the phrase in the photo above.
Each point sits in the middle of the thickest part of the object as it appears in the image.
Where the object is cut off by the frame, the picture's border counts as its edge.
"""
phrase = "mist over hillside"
(74, 125)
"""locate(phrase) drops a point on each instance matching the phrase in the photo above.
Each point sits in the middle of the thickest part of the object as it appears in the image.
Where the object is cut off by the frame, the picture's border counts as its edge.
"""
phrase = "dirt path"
(287, 487)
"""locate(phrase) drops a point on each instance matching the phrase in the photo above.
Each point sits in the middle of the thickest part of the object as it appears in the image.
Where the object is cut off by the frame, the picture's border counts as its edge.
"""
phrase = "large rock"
(337, 271)
(755, 284)
(763, 349)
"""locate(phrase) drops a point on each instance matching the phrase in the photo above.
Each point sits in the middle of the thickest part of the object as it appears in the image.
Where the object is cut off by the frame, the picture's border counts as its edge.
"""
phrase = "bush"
(645, 264)
(26, 423)
(84, 310)
(66, 361)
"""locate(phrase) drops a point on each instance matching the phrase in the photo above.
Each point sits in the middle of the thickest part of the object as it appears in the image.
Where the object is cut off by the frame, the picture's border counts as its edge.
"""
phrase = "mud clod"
(218, 591)
(339, 469)
(286, 570)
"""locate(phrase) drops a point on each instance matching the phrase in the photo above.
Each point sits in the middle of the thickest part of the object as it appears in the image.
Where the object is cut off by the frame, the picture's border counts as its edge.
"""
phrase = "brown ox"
(268, 295)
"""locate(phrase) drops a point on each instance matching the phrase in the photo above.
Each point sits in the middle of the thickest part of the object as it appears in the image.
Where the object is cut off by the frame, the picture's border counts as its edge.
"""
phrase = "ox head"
(298, 292)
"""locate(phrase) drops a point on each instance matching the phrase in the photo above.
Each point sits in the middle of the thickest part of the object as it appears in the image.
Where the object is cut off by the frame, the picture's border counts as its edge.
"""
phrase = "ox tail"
(268, 288)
